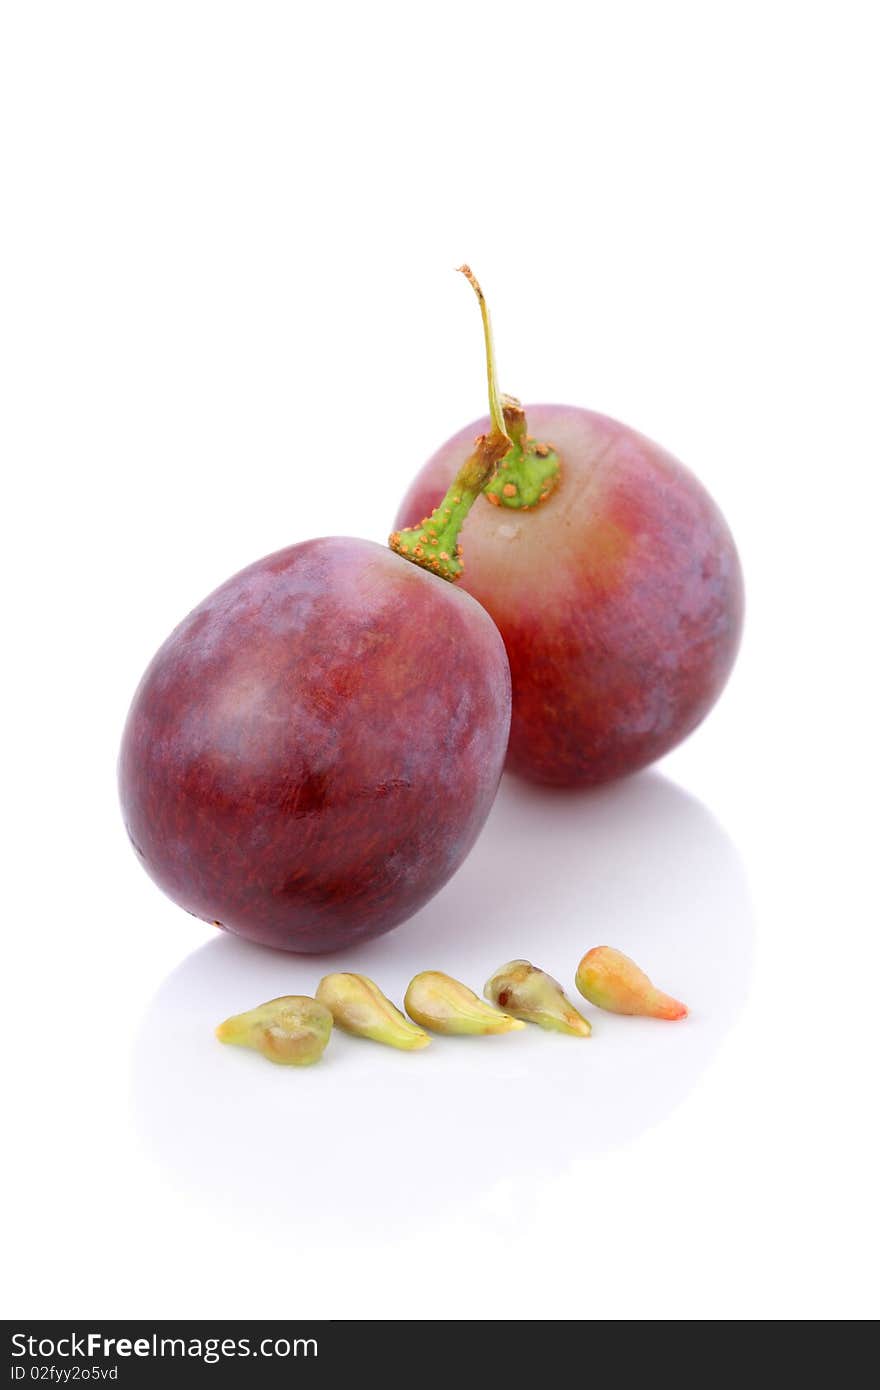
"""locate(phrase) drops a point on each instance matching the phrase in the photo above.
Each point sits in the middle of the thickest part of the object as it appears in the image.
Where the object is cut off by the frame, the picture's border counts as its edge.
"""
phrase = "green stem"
(510, 467)
(529, 471)
(433, 544)
(496, 412)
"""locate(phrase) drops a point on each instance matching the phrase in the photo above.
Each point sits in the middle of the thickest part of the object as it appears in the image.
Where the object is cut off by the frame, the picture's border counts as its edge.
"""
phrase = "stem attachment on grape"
(434, 544)
(526, 476)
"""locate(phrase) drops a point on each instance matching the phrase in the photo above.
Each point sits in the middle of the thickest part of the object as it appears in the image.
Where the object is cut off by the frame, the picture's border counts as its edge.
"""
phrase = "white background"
(230, 322)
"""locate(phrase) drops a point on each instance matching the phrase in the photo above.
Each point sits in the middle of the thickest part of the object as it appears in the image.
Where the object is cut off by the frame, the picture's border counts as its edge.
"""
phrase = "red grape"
(619, 596)
(314, 750)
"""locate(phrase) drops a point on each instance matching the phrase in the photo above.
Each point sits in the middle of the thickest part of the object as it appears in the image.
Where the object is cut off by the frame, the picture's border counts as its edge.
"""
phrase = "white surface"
(230, 322)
